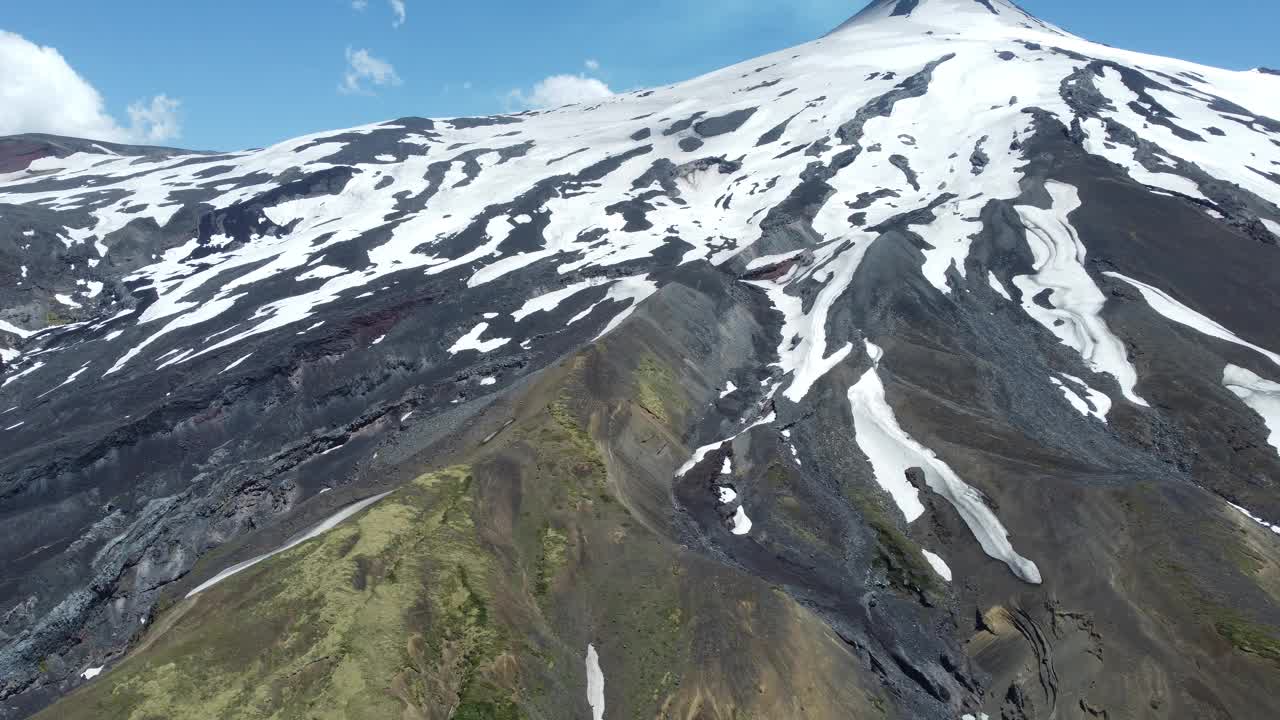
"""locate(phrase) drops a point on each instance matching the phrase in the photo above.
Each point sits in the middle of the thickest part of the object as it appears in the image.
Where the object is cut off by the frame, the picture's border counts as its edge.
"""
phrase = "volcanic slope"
(925, 370)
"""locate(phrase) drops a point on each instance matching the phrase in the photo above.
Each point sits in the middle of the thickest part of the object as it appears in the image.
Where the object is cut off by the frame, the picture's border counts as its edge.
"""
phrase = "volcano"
(926, 370)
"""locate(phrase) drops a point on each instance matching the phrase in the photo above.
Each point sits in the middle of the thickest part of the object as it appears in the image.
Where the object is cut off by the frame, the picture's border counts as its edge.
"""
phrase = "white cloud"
(397, 9)
(592, 64)
(559, 90)
(364, 68)
(155, 121)
(41, 92)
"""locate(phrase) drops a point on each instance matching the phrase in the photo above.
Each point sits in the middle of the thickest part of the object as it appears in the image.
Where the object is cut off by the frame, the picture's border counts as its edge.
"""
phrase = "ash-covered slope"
(927, 369)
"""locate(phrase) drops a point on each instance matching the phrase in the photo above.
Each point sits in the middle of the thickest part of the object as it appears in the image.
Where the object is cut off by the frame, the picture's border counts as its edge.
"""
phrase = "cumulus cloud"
(397, 9)
(365, 70)
(155, 121)
(41, 92)
(559, 90)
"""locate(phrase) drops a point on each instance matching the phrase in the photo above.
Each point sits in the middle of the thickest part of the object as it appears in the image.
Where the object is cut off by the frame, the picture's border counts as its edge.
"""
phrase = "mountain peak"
(950, 14)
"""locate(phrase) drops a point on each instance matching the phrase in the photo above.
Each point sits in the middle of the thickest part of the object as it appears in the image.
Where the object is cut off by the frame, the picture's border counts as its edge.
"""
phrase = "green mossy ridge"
(468, 594)
(648, 614)
(901, 558)
(1245, 635)
(569, 440)
(383, 616)
(565, 471)
(634, 585)
(657, 390)
(552, 558)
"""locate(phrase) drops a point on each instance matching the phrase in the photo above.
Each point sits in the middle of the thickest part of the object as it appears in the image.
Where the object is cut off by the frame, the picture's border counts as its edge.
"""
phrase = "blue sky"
(244, 73)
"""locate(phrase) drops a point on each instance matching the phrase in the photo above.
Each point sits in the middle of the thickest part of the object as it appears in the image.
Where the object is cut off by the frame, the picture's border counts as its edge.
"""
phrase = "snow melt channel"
(324, 527)
(892, 452)
(1076, 316)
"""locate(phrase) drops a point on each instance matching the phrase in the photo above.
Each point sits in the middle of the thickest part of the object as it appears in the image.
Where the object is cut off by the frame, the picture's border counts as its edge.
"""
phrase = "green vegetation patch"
(386, 615)
(900, 557)
(657, 390)
(551, 559)
(1244, 634)
(1141, 503)
(1247, 636)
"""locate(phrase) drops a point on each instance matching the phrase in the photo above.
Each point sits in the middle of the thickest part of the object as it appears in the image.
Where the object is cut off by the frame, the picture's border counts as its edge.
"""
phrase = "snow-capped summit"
(946, 15)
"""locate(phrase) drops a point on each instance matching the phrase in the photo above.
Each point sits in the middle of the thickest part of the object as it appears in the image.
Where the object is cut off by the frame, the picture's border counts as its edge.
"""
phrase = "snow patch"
(321, 272)
(39, 364)
(740, 524)
(702, 452)
(235, 364)
(472, 341)
(1171, 309)
(767, 260)
(635, 289)
(998, 286)
(550, 301)
(1101, 401)
(803, 351)
(1263, 396)
(938, 565)
(595, 684)
(314, 532)
(892, 452)
(15, 330)
(1273, 528)
(1098, 405)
